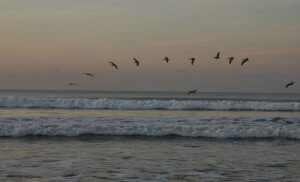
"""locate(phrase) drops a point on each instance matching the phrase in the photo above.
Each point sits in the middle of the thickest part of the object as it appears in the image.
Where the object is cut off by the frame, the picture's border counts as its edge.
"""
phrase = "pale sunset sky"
(47, 43)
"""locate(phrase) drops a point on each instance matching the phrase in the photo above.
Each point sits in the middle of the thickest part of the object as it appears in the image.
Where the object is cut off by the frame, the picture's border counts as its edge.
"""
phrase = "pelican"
(192, 60)
(71, 83)
(230, 59)
(289, 84)
(244, 60)
(113, 64)
(217, 56)
(88, 74)
(192, 92)
(166, 59)
(136, 62)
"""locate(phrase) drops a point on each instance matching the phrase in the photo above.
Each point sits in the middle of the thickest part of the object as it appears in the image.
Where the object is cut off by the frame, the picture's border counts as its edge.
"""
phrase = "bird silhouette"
(88, 74)
(71, 83)
(166, 59)
(217, 56)
(136, 62)
(289, 84)
(244, 61)
(230, 59)
(192, 60)
(192, 92)
(113, 64)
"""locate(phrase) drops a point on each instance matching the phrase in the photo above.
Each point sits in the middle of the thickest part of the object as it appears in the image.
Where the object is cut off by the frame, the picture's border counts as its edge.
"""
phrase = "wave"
(148, 126)
(80, 103)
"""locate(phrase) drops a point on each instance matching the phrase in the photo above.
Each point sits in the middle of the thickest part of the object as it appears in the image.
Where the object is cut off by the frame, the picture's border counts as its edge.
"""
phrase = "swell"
(148, 126)
(81, 103)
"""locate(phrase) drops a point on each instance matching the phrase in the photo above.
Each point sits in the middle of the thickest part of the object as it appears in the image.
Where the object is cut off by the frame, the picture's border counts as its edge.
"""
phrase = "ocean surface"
(148, 136)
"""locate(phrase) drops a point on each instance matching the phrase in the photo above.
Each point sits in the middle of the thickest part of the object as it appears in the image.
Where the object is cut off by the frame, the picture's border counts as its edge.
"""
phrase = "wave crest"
(190, 127)
(81, 103)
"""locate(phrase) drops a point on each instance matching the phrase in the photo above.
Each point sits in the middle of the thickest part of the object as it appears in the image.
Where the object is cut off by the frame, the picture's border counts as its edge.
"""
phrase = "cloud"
(185, 42)
(268, 51)
(207, 38)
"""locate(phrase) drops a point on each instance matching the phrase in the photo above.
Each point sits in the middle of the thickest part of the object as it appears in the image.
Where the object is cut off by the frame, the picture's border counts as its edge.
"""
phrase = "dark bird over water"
(244, 60)
(113, 64)
(230, 59)
(289, 84)
(88, 74)
(166, 59)
(136, 62)
(192, 92)
(217, 56)
(192, 60)
(71, 83)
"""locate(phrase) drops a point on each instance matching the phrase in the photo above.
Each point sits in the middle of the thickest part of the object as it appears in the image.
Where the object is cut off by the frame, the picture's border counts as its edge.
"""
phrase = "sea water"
(150, 136)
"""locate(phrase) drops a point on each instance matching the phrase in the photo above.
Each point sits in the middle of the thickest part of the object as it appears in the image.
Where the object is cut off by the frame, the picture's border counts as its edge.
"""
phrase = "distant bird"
(166, 59)
(136, 62)
(230, 59)
(192, 60)
(113, 64)
(192, 92)
(71, 83)
(88, 74)
(289, 84)
(217, 56)
(244, 60)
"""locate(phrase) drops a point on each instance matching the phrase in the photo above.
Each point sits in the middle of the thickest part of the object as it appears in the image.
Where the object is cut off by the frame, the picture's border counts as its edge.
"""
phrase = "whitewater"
(251, 127)
(150, 104)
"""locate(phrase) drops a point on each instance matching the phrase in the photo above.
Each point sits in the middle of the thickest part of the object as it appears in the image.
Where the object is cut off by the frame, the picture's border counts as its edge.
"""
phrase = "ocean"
(148, 136)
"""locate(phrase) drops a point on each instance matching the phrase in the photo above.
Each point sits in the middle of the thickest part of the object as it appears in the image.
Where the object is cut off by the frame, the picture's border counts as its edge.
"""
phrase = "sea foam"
(148, 126)
(82, 103)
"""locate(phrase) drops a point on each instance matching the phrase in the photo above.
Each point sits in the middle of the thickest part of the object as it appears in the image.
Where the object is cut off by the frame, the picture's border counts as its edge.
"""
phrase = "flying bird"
(71, 83)
(88, 74)
(244, 60)
(192, 92)
(166, 59)
(192, 60)
(230, 59)
(289, 84)
(113, 64)
(136, 62)
(217, 56)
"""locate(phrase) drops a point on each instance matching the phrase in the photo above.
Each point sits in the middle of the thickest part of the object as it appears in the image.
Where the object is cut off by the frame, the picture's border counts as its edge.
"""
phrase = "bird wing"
(289, 84)
(245, 60)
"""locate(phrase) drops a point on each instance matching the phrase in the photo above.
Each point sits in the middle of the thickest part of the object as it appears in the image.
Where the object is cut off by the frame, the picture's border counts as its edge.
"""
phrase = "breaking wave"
(81, 103)
(148, 126)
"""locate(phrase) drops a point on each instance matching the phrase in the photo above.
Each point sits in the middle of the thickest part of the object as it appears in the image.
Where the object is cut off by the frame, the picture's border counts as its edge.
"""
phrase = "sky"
(47, 43)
